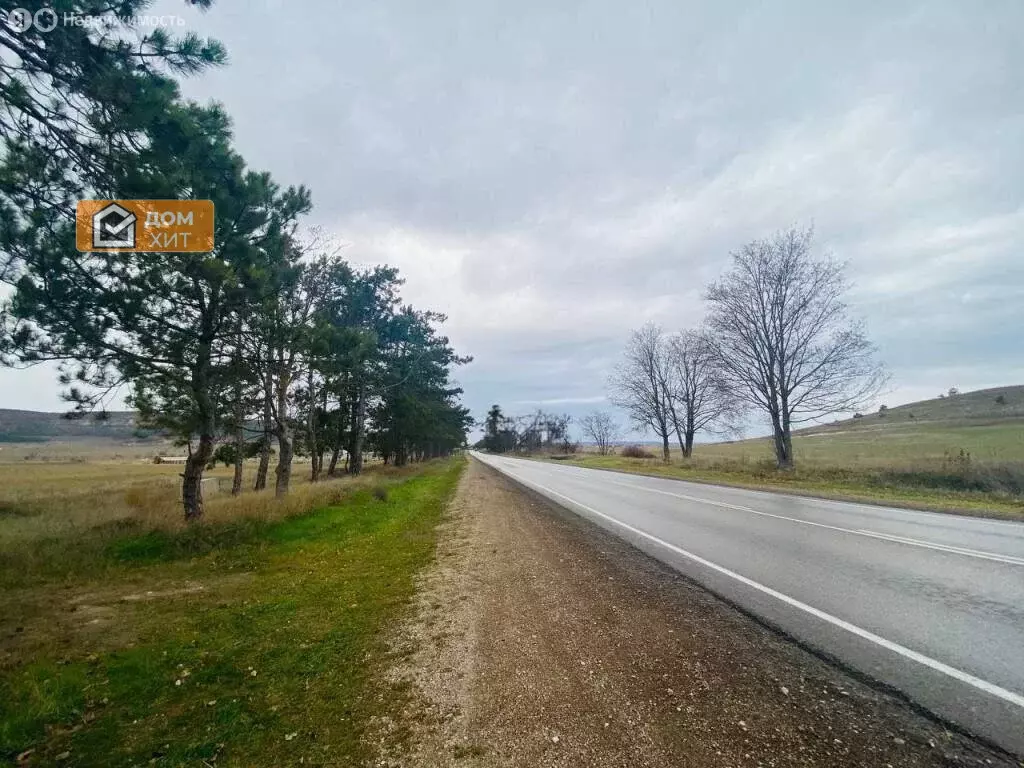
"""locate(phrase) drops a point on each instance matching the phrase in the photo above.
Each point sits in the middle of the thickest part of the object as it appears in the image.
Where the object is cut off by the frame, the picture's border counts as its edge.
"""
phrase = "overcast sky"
(554, 174)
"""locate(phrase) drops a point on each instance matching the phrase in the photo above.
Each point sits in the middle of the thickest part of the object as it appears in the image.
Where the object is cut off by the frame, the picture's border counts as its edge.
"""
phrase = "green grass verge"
(893, 486)
(885, 442)
(269, 656)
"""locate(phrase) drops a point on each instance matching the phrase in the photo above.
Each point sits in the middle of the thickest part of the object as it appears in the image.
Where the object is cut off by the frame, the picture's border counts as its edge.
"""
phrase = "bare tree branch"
(640, 384)
(782, 337)
(700, 400)
(601, 428)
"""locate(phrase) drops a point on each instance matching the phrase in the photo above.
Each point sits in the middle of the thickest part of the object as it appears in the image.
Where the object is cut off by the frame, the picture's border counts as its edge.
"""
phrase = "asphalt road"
(930, 604)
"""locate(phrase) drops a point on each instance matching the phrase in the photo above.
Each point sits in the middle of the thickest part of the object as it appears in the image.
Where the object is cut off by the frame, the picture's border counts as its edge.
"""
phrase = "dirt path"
(541, 640)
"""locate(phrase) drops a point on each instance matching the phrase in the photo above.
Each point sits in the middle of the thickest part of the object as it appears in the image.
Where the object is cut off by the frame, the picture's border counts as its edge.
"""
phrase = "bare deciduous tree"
(541, 431)
(602, 429)
(699, 398)
(784, 339)
(640, 384)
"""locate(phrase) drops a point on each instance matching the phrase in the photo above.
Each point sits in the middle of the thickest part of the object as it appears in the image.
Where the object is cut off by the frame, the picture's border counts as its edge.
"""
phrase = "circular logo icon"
(45, 19)
(19, 19)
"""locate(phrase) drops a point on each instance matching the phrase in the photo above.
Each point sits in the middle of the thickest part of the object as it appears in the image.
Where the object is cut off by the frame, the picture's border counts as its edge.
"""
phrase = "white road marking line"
(945, 547)
(775, 495)
(920, 658)
(994, 556)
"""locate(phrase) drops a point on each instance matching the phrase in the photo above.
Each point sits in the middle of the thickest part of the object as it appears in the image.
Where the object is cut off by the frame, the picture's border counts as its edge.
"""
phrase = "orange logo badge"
(169, 226)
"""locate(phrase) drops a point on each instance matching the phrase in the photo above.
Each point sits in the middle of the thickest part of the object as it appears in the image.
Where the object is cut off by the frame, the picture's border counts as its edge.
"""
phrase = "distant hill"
(41, 427)
(978, 408)
(985, 426)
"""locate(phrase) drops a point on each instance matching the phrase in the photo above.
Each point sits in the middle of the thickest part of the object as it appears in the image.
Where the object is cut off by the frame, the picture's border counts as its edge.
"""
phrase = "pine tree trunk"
(268, 421)
(285, 442)
(236, 480)
(337, 440)
(192, 478)
(285, 451)
(315, 456)
(264, 465)
(195, 465)
(355, 459)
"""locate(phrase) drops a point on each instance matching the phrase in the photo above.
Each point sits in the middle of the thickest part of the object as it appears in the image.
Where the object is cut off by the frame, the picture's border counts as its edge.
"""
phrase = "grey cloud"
(551, 175)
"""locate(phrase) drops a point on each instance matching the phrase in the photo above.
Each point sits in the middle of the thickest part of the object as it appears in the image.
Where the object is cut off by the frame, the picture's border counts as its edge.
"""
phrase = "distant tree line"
(525, 434)
(777, 342)
(270, 339)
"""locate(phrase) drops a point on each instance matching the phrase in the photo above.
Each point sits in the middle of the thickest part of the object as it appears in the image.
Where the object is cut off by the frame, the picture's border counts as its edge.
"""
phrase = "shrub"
(858, 415)
(959, 461)
(1000, 399)
(636, 452)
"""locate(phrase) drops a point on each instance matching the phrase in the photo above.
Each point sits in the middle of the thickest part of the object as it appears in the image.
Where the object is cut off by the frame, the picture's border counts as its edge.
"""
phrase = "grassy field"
(251, 639)
(81, 451)
(959, 454)
(925, 443)
(56, 501)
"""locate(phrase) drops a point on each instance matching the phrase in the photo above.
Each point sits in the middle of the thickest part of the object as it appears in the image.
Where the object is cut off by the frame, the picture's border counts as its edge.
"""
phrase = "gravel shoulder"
(541, 640)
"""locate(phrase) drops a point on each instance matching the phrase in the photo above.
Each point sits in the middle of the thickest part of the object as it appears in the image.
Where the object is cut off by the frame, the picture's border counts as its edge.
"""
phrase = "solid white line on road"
(944, 547)
(994, 556)
(920, 658)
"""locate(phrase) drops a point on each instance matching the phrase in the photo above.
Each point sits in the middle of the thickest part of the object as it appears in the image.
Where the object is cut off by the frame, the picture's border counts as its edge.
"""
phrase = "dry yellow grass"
(58, 500)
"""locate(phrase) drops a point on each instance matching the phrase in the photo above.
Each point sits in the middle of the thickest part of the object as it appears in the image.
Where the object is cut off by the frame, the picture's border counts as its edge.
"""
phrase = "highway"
(928, 603)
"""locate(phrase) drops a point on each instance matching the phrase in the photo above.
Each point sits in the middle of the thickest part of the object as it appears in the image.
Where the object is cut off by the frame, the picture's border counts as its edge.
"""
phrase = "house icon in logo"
(113, 227)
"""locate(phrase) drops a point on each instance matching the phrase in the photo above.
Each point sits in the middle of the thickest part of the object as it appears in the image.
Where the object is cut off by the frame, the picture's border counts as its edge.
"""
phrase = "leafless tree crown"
(600, 428)
(700, 400)
(783, 337)
(640, 384)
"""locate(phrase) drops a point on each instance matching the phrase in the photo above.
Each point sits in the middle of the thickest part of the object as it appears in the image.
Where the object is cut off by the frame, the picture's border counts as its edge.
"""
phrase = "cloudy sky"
(553, 174)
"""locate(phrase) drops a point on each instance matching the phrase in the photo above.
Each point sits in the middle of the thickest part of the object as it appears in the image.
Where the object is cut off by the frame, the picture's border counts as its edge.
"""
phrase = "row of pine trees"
(270, 345)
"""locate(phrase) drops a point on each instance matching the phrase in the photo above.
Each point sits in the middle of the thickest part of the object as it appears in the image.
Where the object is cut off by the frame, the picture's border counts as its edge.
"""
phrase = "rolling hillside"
(987, 424)
(40, 427)
(997, 405)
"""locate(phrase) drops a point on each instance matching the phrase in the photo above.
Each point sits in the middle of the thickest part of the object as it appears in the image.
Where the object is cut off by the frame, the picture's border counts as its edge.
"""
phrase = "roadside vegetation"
(960, 452)
(270, 342)
(146, 619)
(779, 348)
(252, 638)
(57, 516)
